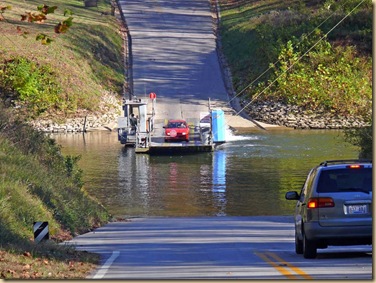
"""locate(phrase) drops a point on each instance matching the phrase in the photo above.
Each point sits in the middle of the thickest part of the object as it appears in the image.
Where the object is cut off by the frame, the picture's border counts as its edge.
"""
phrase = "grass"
(243, 47)
(39, 184)
(256, 34)
(19, 208)
(87, 60)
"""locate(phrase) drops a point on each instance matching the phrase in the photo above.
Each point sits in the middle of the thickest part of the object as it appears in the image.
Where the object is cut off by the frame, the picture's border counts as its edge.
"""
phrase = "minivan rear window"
(347, 179)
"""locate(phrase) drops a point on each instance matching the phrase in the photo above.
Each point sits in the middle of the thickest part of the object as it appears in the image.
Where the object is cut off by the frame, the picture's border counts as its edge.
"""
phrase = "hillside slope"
(311, 54)
(74, 73)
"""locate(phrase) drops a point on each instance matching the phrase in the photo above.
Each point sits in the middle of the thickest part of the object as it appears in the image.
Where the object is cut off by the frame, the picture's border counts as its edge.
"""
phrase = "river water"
(246, 176)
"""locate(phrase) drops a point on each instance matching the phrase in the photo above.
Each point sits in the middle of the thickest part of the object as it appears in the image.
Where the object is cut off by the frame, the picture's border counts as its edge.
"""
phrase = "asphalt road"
(174, 55)
(215, 248)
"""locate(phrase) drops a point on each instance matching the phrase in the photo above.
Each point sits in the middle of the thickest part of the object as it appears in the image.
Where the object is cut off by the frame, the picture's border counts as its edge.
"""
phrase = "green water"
(246, 176)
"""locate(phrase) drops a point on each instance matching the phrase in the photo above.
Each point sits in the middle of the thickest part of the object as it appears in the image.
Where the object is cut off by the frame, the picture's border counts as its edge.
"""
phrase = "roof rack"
(325, 163)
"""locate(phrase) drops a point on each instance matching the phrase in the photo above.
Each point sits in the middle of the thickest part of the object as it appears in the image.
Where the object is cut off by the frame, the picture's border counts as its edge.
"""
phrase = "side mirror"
(292, 195)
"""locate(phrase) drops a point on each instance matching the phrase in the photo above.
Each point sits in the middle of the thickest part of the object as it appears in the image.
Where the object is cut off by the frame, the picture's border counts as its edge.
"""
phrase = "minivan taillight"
(320, 202)
(355, 166)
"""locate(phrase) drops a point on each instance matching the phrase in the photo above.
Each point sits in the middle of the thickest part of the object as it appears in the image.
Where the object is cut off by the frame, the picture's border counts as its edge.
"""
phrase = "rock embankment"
(273, 113)
(294, 117)
(276, 113)
(105, 119)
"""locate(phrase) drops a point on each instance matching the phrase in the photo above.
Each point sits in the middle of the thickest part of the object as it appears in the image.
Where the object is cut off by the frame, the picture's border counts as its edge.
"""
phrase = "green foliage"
(257, 35)
(44, 38)
(64, 26)
(265, 43)
(41, 17)
(73, 170)
(361, 137)
(38, 183)
(36, 86)
(44, 9)
(79, 67)
(327, 77)
(346, 6)
(19, 209)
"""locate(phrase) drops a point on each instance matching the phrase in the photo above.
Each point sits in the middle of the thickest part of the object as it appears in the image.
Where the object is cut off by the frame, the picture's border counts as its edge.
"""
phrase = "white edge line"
(103, 269)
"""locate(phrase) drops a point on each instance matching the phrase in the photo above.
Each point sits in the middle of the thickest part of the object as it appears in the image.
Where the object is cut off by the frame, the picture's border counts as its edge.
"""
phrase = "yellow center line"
(293, 267)
(281, 269)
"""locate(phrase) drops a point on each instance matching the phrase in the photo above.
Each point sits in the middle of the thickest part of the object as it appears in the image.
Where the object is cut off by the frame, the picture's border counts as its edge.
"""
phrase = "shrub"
(361, 137)
(35, 86)
(326, 77)
(51, 186)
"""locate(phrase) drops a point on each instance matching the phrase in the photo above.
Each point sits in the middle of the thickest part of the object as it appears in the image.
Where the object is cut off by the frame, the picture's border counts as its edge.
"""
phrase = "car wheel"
(309, 248)
(298, 244)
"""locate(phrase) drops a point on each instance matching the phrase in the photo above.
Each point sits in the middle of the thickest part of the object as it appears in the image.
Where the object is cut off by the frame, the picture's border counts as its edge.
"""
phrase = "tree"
(361, 137)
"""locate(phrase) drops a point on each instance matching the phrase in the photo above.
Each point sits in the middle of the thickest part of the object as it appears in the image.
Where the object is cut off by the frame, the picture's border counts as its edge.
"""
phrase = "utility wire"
(273, 64)
(292, 65)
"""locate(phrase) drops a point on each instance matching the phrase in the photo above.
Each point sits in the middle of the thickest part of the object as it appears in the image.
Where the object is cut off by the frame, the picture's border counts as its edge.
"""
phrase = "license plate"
(357, 209)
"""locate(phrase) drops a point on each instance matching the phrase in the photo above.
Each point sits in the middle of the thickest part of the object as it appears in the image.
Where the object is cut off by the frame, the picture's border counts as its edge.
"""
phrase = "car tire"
(309, 248)
(298, 244)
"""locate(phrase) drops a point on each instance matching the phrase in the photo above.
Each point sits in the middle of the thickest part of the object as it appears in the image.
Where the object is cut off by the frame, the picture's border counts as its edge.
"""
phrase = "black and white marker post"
(40, 231)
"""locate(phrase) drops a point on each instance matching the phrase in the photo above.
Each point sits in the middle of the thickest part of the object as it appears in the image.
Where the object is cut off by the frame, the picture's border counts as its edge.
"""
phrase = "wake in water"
(230, 136)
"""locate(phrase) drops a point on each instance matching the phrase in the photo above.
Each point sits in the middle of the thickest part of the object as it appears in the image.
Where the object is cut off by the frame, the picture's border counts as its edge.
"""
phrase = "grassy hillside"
(315, 54)
(38, 183)
(74, 71)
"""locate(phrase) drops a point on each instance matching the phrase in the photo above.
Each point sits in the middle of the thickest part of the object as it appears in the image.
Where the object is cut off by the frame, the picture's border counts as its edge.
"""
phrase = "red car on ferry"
(176, 130)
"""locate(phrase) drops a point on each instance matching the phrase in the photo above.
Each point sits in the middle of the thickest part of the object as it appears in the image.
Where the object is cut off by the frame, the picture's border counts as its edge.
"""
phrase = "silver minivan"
(334, 207)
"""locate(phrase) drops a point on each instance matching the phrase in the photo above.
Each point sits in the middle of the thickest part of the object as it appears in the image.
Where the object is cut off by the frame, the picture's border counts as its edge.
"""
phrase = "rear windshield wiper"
(355, 190)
